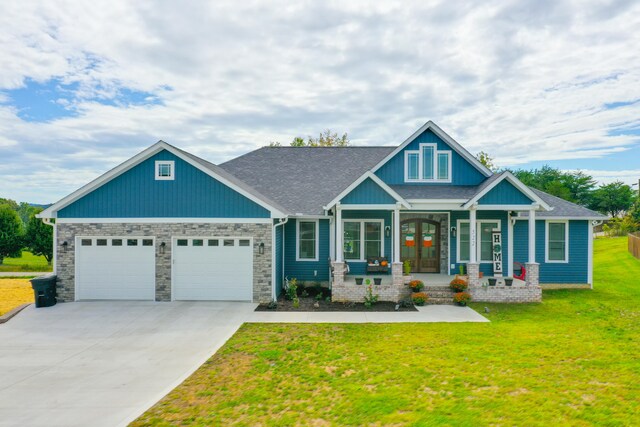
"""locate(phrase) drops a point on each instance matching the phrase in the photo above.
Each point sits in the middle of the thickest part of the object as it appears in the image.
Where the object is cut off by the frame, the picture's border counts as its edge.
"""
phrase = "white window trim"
(171, 164)
(362, 238)
(421, 166)
(317, 224)
(478, 245)
(566, 241)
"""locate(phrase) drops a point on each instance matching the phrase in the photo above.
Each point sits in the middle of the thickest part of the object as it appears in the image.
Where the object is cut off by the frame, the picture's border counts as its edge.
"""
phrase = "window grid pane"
(443, 165)
(486, 246)
(557, 243)
(351, 240)
(427, 162)
(307, 240)
(372, 239)
(464, 241)
(413, 160)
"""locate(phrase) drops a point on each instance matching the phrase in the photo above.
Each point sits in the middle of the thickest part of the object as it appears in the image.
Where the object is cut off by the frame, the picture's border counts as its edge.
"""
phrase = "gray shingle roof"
(304, 179)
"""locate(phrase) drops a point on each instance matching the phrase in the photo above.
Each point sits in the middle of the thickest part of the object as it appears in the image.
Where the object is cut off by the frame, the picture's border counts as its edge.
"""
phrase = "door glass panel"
(429, 247)
(408, 243)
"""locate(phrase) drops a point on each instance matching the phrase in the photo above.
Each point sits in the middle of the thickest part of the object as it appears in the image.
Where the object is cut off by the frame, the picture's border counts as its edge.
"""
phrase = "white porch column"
(332, 237)
(472, 237)
(339, 235)
(396, 235)
(532, 236)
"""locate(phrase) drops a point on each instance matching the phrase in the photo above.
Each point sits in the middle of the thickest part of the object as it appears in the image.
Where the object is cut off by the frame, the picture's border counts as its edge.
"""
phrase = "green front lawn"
(572, 360)
(27, 262)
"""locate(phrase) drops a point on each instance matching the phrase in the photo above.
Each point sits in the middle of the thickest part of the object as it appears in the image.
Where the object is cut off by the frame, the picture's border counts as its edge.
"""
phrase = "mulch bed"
(308, 304)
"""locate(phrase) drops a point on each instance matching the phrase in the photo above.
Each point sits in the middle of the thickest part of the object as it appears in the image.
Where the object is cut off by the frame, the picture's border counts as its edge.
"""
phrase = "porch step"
(439, 294)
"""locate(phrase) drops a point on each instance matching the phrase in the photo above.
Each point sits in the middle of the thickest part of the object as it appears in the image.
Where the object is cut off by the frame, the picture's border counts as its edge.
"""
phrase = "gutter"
(55, 239)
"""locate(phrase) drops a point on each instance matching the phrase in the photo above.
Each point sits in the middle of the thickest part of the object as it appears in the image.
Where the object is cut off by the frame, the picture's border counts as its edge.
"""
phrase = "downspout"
(55, 245)
(273, 257)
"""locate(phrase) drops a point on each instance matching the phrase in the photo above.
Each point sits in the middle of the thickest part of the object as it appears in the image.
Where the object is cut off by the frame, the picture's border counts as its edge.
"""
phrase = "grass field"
(28, 262)
(14, 292)
(571, 360)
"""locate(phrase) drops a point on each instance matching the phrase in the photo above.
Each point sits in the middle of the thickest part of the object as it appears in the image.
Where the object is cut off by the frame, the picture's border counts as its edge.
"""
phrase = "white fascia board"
(427, 201)
(436, 206)
(359, 181)
(517, 183)
(370, 207)
(51, 211)
(551, 218)
(442, 134)
(164, 220)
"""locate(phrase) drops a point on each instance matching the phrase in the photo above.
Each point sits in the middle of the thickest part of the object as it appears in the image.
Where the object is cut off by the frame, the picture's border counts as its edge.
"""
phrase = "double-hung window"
(307, 240)
(427, 164)
(557, 241)
(484, 245)
(362, 239)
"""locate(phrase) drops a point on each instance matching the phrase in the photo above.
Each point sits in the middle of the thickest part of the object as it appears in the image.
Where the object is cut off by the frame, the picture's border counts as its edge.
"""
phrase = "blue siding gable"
(463, 172)
(137, 194)
(368, 192)
(505, 193)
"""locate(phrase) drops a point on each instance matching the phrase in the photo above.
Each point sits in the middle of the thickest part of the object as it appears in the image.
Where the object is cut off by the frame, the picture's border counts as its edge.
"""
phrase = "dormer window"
(428, 164)
(165, 170)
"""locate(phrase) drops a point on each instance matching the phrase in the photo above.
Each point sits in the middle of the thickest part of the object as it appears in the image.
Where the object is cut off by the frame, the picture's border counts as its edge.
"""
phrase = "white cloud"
(523, 80)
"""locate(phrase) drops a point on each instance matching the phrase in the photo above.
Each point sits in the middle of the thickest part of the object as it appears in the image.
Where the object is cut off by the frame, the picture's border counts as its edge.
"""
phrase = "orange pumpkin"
(384, 263)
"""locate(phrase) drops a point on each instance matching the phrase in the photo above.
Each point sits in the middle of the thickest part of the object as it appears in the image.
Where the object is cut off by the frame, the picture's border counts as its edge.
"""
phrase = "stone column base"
(532, 277)
(473, 274)
(396, 273)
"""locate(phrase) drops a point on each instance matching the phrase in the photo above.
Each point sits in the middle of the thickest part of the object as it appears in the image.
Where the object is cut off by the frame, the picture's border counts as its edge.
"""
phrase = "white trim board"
(164, 220)
(446, 138)
(566, 241)
(51, 211)
(435, 164)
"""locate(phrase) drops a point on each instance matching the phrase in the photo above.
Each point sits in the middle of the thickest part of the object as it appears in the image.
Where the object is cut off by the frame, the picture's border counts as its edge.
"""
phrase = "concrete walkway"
(23, 273)
(427, 314)
(105, 363)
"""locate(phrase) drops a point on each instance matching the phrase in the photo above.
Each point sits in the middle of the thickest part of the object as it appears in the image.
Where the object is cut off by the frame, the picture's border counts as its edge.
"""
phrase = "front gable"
(368, 192)
(136, 193)
(431, 158)
(505, 193)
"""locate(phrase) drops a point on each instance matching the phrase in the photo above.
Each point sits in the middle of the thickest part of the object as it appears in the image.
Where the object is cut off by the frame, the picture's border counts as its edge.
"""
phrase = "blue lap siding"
(505, 193)
(574, 271)
(463, 172)
(368, 192)
(306, 270)
(137, 194)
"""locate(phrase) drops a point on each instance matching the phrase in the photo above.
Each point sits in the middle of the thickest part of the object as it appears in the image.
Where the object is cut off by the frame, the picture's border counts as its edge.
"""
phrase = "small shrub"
(318, 296)
(296, 302)
(419, 298)
(406, 303)
(272, 305)
(304, 293)
(328, 299)
(367, 282)
(458, 285)
(462, 298)
(416, 285)
(370, 298)
(292, 290)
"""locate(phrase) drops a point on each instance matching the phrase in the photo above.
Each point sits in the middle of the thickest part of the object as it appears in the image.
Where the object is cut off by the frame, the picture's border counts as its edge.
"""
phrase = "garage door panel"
(115, 272)
(213, 272)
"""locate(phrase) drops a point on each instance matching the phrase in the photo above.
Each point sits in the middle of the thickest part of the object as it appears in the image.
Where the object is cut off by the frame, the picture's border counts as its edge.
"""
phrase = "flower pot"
(481, 274)
(377, 280)
(508, 282)
(492, 282)
(359, 280)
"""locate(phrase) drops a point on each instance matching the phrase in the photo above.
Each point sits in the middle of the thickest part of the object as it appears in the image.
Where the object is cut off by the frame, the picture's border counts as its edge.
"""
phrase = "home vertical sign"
(496, 240)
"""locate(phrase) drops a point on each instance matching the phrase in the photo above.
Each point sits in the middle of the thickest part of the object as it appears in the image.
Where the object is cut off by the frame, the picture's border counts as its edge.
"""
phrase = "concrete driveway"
(104, 363)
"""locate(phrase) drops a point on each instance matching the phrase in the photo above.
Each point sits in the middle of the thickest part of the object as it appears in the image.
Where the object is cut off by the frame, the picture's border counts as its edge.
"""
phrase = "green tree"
(324, 139)
(39, 237)
(12, 203)
(575, 187)
(613, 199)
(26, 211)
(11, 233)
(487, 161)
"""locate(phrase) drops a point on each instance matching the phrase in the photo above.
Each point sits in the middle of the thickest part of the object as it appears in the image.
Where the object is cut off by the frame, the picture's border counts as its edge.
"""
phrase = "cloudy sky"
(86, 85)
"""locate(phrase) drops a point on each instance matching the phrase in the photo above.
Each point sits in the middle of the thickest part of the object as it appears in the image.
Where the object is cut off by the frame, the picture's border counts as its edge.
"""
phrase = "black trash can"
(44, 290)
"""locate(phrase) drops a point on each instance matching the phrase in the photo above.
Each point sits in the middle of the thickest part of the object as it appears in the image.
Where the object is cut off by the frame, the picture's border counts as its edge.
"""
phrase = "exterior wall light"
(65, 244)
(261, 248)
(453, 232)
(387, 231)
(162, 246)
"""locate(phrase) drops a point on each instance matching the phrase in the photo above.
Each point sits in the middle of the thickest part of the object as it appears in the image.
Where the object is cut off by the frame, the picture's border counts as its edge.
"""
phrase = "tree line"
(21, 230)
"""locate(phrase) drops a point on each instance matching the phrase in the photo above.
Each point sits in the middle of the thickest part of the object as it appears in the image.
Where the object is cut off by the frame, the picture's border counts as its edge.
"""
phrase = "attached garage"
(212, 268)
(115, 268)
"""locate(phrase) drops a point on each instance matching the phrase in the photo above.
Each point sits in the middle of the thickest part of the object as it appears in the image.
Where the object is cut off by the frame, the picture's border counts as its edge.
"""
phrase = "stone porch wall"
(512, 294)
(163, 232)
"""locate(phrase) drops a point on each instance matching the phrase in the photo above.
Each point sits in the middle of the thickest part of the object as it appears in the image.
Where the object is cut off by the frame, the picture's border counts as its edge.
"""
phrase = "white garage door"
(109, 267)
(212, 268)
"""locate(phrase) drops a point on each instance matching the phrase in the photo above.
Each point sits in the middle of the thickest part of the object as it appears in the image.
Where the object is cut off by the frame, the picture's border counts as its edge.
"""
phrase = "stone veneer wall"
(163, 232)
(443, 219)
(511, 294)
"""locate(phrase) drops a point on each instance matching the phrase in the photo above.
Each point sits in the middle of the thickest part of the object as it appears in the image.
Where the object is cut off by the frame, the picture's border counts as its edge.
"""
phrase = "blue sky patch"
(54, 99)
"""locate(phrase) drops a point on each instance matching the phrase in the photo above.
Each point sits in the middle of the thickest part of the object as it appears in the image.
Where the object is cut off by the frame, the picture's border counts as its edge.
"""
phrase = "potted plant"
(359, 280)
(419, 298)
(508, 281)
(416, 285)
(458, 285)
(492, 281)
(461, 268)
(377, 280)
(461, 298)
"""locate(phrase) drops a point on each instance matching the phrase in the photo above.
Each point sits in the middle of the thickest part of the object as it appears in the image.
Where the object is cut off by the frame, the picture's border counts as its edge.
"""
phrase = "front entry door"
(420, 245)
